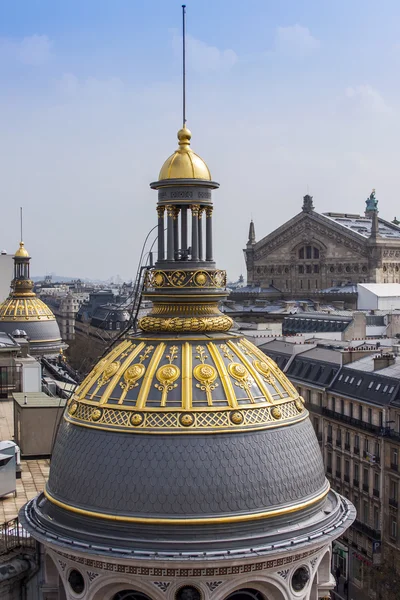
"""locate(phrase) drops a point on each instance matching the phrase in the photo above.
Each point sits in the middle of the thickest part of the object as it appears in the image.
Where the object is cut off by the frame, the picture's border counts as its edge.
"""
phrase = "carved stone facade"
(313, 251)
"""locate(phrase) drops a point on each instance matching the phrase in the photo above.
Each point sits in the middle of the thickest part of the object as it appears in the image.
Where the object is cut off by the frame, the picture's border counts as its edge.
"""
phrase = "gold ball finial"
(184, 136)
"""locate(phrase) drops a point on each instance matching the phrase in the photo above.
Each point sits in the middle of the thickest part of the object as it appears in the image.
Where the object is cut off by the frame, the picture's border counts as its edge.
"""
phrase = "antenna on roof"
(20, 210)
(184, 64)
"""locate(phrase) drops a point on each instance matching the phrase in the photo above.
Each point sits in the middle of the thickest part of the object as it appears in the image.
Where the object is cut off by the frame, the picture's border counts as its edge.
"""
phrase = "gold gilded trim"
(191, 521)
(186, 376)
(225, 379)
(260, 384)
(148, 378)
(114, 380)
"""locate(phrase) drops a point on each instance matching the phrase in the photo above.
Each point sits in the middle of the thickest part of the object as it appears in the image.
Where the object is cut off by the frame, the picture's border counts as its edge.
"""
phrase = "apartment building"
(353, 396)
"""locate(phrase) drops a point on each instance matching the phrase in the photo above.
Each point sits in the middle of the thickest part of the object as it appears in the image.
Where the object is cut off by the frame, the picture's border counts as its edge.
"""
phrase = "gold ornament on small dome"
(187, 420)
(236, 417)
(96, 414)
(136, 419)
(22, 252)
(276, 412)
(201, 278)
(238, 371)
(73, 408)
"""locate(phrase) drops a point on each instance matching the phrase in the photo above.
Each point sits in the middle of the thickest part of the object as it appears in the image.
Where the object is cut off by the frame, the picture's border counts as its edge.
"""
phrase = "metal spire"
(20, 208)
(184, 65)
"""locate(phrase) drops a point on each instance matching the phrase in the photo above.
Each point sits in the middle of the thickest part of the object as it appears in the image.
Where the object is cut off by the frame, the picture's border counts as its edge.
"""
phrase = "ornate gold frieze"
(189, 309)
(220, 323)
(179, 279)
(174, 421)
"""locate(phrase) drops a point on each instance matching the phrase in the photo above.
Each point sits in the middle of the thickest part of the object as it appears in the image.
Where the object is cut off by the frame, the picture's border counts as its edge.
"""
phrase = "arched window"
(130, 595)
(308, 252)
(245, 594)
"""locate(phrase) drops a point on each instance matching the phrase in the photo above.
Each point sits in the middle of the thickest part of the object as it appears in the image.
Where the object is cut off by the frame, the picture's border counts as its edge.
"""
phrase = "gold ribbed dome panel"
(184, 163)
(28, 308)
(177, 386)
(22, 252)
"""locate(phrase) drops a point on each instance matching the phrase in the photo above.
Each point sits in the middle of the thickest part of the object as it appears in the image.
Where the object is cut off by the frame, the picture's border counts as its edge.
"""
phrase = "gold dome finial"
(184, 136)
(22, 252)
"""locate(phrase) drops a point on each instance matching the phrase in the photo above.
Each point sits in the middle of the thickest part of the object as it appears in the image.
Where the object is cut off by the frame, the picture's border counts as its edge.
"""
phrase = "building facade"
(354, 401)
(313, 252)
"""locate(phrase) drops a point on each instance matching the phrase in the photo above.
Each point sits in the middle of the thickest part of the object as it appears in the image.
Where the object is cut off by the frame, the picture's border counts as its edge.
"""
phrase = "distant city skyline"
(283, 99)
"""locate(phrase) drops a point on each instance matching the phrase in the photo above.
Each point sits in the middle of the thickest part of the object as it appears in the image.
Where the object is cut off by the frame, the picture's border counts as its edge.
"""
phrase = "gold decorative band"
(193, 521)
(210, 308)
(156, 279)
(204, 324)
(190, 421)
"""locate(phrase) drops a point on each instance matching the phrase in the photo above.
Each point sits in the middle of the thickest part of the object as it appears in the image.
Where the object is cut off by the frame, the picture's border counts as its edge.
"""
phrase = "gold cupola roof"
(22, 252)
(184, 163)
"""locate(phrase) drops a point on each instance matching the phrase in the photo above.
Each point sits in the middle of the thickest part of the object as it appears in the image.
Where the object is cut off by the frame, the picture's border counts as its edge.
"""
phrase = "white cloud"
(34, 50)
(368, 98)
(295, 40)
(201, 57)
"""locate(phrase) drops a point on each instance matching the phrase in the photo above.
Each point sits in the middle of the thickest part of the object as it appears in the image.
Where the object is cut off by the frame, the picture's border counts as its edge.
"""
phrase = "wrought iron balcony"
(356, 483)
(375, 493)
(394, 503)
(354, 422)
(375, 534)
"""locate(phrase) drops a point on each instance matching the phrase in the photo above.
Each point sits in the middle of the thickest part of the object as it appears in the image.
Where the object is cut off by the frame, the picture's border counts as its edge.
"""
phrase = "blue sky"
(283, 97)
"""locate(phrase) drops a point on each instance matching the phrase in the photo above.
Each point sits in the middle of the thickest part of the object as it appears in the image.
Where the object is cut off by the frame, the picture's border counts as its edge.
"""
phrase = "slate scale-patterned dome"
(185, 437)
(24, 310)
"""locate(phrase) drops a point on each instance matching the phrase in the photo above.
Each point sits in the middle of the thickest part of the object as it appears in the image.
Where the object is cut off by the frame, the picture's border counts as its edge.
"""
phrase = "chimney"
(381, 361)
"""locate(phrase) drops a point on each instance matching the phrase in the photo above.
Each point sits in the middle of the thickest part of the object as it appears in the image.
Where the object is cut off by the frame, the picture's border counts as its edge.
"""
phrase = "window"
(376, 481)
(347, 438)
(393, 528)
(301, 269)
(395, 457)
(377, 525)
(398, 423)
(301, 253)
(357, 441)
(366, 445)
(329, 460)
(342, 407)
(365, 476)
(356, 472)
(333, 404)
(377, 450)
(320, 399)
(316, 425)
(360, 412)
(316, 253)
(347, 468)
(308, 269)
(380, 419)
(393, 489)
(370, 415)
(365, 511)
(351, 409)
(308, 252)
(338, 465)
(309, 396)
(316, 268)
(329, 433)
(339, 437)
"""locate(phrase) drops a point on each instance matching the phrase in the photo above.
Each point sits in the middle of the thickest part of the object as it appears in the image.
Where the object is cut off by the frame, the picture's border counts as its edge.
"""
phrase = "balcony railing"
(394, 503)
(365, 487)
(347, 478)
(375, 493)
(354, 422)
(356, 483)
(394, 466)
(339, 443)
(339, 474)
(319, 436)
(347, 447)
(356, 450)
(12, 536)
(367, 530)
(329, 470)
(329, 439)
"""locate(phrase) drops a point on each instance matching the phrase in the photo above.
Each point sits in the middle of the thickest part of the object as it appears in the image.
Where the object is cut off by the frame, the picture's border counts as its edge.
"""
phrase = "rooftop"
(363, 225)
(34, 472)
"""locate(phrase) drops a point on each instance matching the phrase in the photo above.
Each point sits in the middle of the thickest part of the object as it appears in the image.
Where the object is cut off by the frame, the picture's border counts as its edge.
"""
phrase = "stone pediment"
(308, 226)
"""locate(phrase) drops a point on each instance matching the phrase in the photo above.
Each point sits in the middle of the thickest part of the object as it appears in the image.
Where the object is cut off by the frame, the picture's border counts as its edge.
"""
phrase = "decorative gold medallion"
(276, 413)
(200, 278)
(96, 414)
(238, 371)
(158, 279)
(136, 419)
(205, 373)
(262, 367)
(73, 408)
(133, 374)
(110, 370)
(186, 419)
(236, 417)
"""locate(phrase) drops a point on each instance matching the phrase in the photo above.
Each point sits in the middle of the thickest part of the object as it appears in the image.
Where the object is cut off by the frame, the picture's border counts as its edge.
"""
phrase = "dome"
(22, 252)
(184, 163)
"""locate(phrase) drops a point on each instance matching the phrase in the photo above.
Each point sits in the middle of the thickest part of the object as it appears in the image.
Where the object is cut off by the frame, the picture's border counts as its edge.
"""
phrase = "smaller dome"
(22, 252)
(184, 163)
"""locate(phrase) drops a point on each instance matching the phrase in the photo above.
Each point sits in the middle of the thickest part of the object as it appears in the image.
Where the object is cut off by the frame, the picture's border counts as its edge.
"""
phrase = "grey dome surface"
(41, 334)
(192, 476)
